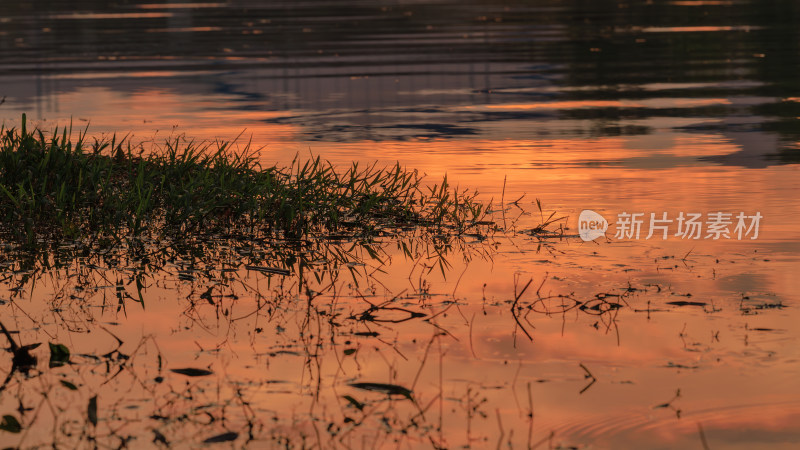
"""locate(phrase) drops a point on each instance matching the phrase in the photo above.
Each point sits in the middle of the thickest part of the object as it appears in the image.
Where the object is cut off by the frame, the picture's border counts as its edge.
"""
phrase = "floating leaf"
(10, 424)
(389, 389)
(358, 405)
(270, 270)
(59, 355)
(68, 385)
(366, 333)
(92, 410)
(685, 303)
(224, 437)
(349, 351)
(207, 295)
(192, 372)
(160, 438)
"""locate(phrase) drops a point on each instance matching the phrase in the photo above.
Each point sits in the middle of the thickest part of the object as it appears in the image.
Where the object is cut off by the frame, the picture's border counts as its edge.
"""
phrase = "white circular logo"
(591, 225)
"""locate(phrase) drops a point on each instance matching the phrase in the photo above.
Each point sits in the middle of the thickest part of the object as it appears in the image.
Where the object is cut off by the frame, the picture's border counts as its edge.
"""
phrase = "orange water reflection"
(734, 361)
(728, 364)
(649, 107)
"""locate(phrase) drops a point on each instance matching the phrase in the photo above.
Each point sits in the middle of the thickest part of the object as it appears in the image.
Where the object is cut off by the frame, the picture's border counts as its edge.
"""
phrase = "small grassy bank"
(109, 191)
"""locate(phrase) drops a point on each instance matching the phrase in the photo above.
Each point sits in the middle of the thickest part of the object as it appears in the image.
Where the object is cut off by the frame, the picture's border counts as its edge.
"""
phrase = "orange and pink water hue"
(685, 106)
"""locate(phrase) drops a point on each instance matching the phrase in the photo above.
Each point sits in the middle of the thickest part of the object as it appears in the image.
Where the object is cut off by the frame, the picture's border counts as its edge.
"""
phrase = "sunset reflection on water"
(562, 105)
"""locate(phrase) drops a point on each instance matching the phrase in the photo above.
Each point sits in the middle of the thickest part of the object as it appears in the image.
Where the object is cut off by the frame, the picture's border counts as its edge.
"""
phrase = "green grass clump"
(52, 188)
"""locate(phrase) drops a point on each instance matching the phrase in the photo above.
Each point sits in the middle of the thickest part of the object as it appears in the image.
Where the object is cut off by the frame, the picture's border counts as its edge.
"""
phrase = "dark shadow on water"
(368, 59)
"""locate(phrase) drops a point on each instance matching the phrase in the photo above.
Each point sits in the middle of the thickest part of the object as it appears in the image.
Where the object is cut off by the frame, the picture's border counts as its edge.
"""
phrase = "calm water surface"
(614, 106)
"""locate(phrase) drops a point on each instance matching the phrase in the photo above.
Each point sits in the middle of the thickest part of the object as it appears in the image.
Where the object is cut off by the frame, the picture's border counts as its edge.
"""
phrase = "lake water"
(615, 106)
